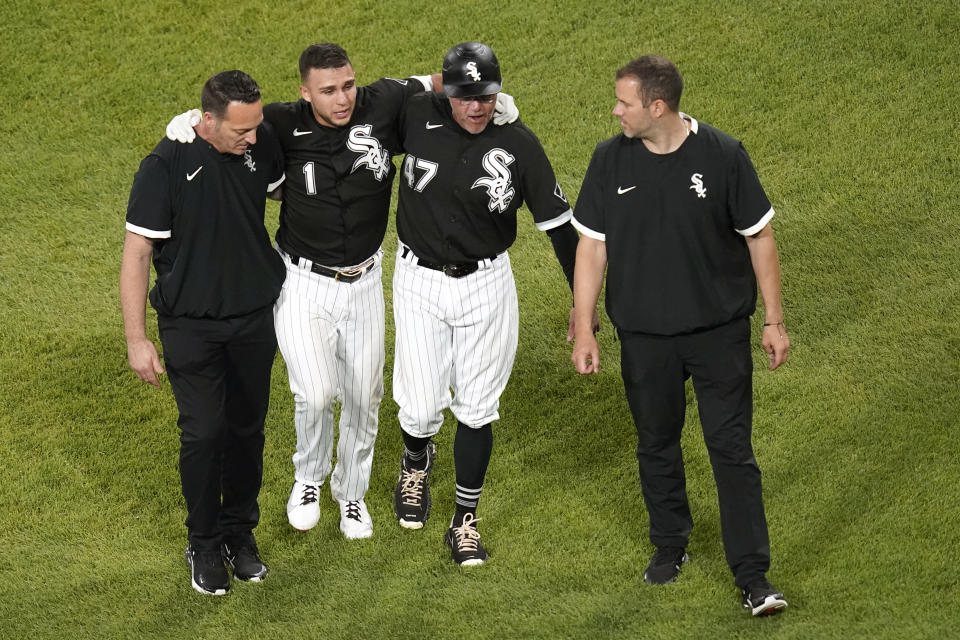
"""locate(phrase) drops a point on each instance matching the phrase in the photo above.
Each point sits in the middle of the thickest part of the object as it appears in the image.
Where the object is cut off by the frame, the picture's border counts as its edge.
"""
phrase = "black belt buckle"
(460, 270)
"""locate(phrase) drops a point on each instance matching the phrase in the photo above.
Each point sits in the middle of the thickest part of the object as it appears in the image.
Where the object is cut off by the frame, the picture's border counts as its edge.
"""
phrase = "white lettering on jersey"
(557, 191)
(471, 70)
(371, 152)
(248, 161)
(697, 180)
(498, 184)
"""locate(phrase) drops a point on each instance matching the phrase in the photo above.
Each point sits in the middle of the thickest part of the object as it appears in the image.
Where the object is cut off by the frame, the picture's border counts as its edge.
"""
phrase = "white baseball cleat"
(355, 521)
(303, 510)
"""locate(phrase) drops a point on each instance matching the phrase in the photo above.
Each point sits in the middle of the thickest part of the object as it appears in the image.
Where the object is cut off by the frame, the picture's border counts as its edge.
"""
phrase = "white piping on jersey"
(426, 81)
(555, 222)
(693, 122)
(274, 185)
(147, 233)
(757, 227)
(587, 231)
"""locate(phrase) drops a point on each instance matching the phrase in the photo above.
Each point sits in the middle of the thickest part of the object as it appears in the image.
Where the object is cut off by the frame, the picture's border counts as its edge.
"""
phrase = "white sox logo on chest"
(498, 185)
(372, 154)
(697, 180)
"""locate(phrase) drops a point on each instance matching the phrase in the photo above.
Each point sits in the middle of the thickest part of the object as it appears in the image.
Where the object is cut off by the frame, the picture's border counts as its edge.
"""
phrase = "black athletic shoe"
(762, 599)
(411, 496)
(244, 559)
(665, 565)
(207, 573)
(464, 543)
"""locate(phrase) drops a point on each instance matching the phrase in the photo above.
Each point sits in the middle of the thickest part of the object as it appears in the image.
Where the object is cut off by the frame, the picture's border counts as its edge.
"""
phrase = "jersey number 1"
(309, 180)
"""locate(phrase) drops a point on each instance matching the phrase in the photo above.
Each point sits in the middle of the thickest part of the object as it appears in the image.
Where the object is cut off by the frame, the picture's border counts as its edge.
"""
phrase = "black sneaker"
(762, 599)
(207, 573)
(665, 565)
(464, 543)
(244, 559)
(411, 496)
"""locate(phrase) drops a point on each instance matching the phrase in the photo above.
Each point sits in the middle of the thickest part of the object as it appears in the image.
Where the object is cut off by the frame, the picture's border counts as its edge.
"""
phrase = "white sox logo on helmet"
(471, 70)
(372, 154)
(498, 184)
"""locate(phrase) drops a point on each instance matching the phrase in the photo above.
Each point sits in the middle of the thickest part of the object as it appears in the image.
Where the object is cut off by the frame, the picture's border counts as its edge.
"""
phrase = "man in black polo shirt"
(198, 210)
(455, 303)
(673, 209)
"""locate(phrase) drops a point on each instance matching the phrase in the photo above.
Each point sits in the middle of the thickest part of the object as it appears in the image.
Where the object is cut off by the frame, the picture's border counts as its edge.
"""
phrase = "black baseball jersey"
(204, 211)
(336, 198)
(674, 228)
(459, 192)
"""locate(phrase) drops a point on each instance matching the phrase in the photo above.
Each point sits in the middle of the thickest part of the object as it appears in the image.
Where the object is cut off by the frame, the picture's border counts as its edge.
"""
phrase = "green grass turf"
(849, 110)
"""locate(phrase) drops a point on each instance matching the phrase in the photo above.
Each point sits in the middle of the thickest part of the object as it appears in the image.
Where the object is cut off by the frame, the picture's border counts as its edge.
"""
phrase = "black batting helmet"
(470, 69)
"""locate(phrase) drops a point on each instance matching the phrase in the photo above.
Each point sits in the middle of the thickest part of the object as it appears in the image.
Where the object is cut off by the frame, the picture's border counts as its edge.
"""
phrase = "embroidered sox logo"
(697, 185)
(248, 161)
(498, 186)
(471, 70)
(372, 154)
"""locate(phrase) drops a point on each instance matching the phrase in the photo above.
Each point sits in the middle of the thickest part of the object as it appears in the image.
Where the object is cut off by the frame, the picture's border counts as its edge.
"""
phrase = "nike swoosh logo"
(621, 190)
(433, 126)
(297, 132)
(191, 176)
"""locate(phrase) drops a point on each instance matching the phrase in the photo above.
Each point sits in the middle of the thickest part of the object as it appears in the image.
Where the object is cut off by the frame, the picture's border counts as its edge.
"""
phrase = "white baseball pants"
(454, 335)
(331, 336)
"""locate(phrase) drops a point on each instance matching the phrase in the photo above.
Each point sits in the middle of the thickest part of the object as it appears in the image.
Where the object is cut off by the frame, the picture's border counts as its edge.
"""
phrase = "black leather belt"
(346, 275)
(452, 270)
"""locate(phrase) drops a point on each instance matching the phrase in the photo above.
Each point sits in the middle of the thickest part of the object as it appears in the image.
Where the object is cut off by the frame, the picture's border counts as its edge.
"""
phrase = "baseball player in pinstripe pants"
(455, 303)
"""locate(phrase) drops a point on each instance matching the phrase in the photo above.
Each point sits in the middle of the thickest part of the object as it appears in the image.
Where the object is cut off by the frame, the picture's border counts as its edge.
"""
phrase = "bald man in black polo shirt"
(198, 210)
(673, 209)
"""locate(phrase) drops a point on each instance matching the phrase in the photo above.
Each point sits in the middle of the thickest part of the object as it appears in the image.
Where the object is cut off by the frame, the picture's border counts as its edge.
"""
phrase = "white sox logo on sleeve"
(697, 180)
(372, 155)
(498, 184)
(248, 161)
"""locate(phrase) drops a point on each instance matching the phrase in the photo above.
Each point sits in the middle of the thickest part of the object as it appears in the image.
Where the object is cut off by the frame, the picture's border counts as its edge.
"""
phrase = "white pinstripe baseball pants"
(331, 336)
(454, 335)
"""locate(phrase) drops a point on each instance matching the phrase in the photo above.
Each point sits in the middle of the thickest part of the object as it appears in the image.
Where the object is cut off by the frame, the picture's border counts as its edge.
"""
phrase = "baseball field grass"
(849, 110)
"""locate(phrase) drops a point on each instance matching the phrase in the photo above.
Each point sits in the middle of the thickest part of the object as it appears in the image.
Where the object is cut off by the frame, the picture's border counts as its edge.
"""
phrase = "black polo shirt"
(674, 228)
(204, 211)
(459, 192)
(336, 199)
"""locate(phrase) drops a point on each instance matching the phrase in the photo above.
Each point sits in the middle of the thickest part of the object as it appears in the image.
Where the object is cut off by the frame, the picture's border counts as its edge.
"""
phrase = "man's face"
(237, 130)
(635, 119)
(332, 93)
(475, 112)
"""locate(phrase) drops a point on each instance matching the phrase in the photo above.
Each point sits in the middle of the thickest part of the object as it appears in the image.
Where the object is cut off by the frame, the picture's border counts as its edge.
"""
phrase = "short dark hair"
(659, 79)
(324, 55)
(226, 87)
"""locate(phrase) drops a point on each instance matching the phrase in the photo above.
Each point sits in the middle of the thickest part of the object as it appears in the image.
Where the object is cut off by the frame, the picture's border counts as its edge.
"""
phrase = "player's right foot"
(303, 510)
(207, 573)
(665, 565)
(411, 496)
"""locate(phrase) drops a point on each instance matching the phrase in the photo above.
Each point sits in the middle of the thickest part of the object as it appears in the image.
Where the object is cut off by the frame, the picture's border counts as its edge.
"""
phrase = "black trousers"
(220, 374)
(654, 370)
